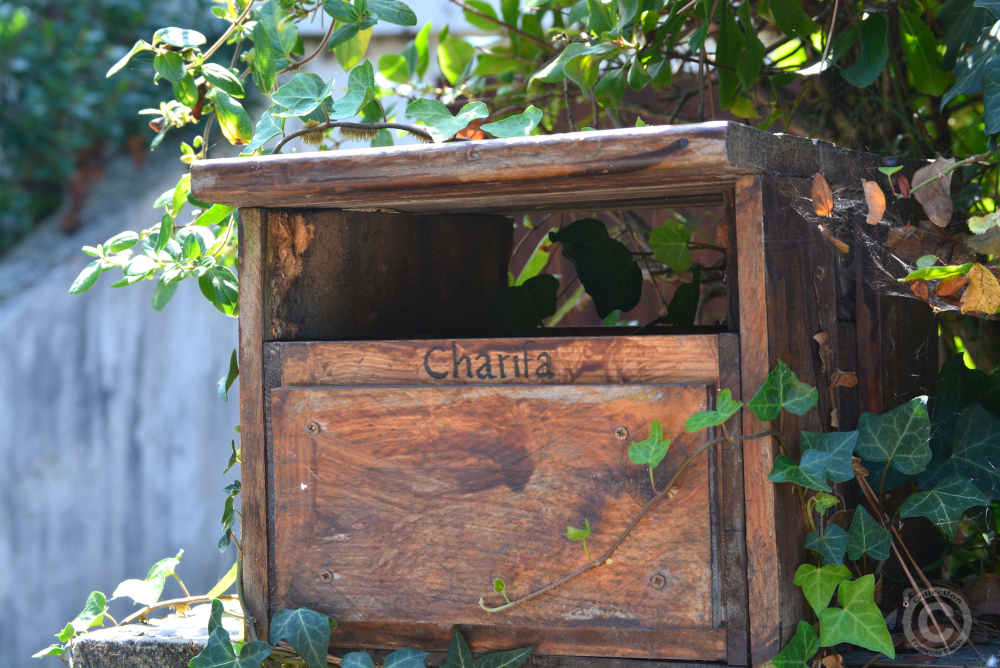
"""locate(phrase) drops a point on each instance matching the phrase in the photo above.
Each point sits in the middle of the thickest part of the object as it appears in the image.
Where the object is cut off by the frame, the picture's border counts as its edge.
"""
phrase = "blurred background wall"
(112, 437)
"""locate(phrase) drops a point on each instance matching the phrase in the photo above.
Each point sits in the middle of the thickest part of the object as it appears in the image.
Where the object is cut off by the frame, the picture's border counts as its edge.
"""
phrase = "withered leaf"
(920, 289)
(935, 197)
(904, 186)
(858, 468)
(843, 379)
(823, 339)
(950, 286)
(876, 202)
(833, 661)
(822, 196)
(837, 243)
(983, 293)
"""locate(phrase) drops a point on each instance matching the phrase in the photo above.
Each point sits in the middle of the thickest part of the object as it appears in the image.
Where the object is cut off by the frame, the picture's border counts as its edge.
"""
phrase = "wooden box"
(394, 464)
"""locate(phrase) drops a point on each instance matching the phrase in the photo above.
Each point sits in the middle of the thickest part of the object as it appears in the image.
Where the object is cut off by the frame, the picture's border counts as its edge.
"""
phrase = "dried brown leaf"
(822, 196)
(837, 243)
(913, 242)
(950, 286)
(876, 202)
(833, 661)
(858, 468)
(843, 379)
(935, 197)
(904, 186)
(920, 289)
(983, 293)
(983, 595)
(835, 418)
(823, 339)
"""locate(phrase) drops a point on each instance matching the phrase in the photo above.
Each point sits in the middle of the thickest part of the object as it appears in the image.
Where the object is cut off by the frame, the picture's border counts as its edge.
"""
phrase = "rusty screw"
(658, 581)
(313, 428)
(326, 576)
(621, 433)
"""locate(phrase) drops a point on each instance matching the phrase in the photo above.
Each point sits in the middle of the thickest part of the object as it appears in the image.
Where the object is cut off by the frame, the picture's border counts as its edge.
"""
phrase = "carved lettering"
(525, 360)
(427, 364)
(484, 367)
(547, 373)
(458, 360)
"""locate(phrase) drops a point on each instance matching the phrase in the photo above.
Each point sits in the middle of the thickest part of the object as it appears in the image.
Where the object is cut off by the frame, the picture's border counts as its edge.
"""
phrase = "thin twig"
(322, 46)
(503, 24)
(569, 108)
(829, 35)
(635, 520)
(172, 603)
(412, 129)
(960, 163)
(222, 40)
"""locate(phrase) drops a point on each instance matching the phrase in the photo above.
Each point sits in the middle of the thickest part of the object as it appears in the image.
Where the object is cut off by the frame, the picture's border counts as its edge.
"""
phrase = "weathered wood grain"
(608, 359)
(604, 169)
(254, 470)
(397, 515)
(346, 274)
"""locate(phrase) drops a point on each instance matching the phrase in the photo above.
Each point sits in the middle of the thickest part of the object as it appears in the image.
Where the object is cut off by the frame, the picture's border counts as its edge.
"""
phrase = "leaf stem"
(960, 163)
(635, 520)
(187, 600)
(222, 40)
(651, 480)
(503, 24)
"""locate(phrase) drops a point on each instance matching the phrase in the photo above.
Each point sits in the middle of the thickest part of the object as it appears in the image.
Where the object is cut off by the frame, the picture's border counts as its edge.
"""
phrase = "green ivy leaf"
(840, 445)
(302, 94)
(824, 502)
(229, 378)
(518, 125)
(55, 649)
(269, 126)
(800, 649)
(148, 591)
(393, 11)
(459, 654)
(169, 65)
(92, 613)
(818, 584)
(831, 546)
(873, 33)
(510, 659)
(991, 96)
(810, 472)
(406, 658)
(945, 504)
(454, 56)
(357, 660)
(233, 120)
(219, 653)
(582, 534)
(220, 77)
(858, 621)
(669, 243)
(220, 287)
(234, 458)
(899, 437)
(652, 450)
(182, 38)
(969, 67)
(215, 616)
(520, 309)
(605, 266)
(360, 91)
(782, 390)
(307, 631)
(866, 536)
(725, 408)
(976, 449)
(86, 279)
(683, 306)
(920, 51)
(439, 121)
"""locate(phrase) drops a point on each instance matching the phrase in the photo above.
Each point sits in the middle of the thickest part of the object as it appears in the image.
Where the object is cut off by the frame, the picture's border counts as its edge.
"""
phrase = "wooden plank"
(762, 554)
(399, 511)
(635, 359)
(732, 519)
(253, 440)
(350, 274)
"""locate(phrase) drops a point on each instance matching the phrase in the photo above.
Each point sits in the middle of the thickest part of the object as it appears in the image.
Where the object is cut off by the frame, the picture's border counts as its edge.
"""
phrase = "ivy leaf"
(234, 458)
(233, 119)
(840, 445)
(220, 287)
(920, 51)
(393, 11)
(520, 309)
(976, 449)
(227, 380)
(652, 450)
(406, 658)
(215, 616)
(92, 613)
(725, 408)
(956, 388)
(605, 266)
(439, 121)
(357, 660)
(169, 65)
(899, 437)
(866, 536)
(575, 534)
(459, 654)
(800, 649)
(55, 649)
(518, 125)
(810, 472)
(873, 33)
(669, 244)
(302, 94)
(307, 631)
(858, 621)
(87, 278)
(945, 504)
(818, 584)
(148, 591)
(683, 306)
(360, 91)
(782, 390)
(831, 547)
(510, 659)
(219, 653)
(969, 67)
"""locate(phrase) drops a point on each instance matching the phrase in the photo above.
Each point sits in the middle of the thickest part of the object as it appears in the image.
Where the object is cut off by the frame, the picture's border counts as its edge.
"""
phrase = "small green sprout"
(500, 587)
(651, 451)
(576, 535)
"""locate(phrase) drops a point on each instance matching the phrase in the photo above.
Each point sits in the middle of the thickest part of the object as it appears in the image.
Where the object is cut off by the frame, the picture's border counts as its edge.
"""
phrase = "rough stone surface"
(170, 642)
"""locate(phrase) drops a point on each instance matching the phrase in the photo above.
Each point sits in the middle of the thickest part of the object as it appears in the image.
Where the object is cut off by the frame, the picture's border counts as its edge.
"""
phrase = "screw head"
(658, 581)
(326, 576)
(621, 433)
(313, 428)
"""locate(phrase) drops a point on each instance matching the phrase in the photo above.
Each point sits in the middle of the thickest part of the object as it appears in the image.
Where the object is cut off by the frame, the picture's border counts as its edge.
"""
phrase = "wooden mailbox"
(394, 463)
